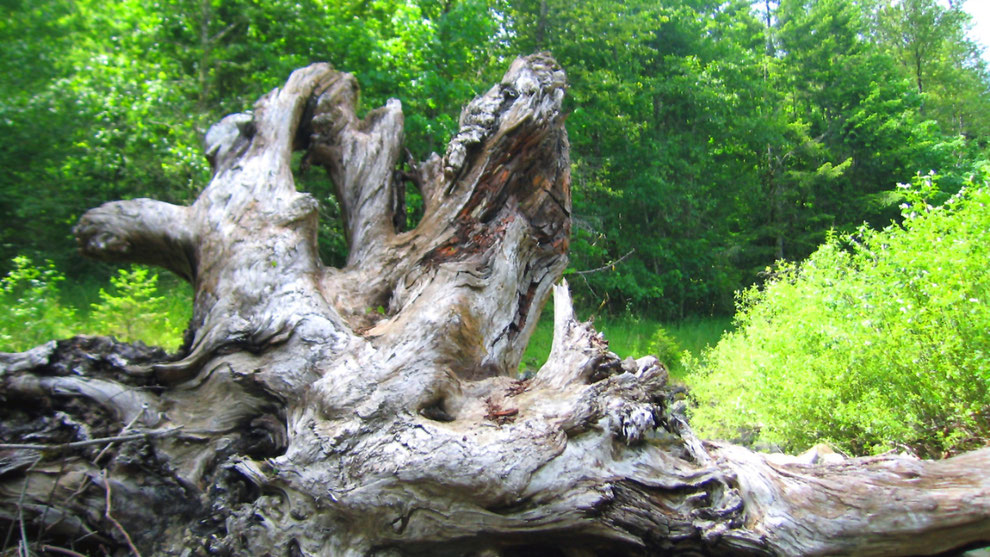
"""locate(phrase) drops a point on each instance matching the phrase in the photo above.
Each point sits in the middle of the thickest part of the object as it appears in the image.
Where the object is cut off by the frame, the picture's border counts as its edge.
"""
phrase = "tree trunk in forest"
(301, 420)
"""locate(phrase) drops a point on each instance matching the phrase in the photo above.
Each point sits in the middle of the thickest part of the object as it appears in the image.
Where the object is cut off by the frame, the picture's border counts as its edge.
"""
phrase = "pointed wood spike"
(563, 307)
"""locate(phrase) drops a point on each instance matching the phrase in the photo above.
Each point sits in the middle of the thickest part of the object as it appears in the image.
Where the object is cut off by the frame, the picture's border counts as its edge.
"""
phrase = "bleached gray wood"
(302, 420)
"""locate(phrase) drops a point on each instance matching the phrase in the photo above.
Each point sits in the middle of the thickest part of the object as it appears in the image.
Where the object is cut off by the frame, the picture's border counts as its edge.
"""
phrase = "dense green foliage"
(879, 340)
(135, 308)
(108, 100)
(710, 137)
(33, 312)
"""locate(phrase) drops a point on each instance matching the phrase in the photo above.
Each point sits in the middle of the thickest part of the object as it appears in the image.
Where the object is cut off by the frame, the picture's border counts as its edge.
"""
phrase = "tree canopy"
(710, 138)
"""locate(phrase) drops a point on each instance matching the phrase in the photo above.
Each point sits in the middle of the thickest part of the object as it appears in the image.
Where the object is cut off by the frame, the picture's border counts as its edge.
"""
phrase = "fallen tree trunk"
(301, 420)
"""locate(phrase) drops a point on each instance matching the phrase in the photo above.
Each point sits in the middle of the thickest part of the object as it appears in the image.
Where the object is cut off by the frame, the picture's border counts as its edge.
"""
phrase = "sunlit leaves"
(875, 342)
(704, 139)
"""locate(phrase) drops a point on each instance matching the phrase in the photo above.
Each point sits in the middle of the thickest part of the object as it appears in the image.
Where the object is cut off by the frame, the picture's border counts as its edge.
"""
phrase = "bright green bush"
(32, 313)
(880, 340)
(134, 310)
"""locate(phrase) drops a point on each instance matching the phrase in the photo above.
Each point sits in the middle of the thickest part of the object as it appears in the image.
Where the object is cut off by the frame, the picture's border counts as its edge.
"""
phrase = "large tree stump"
(302, 420)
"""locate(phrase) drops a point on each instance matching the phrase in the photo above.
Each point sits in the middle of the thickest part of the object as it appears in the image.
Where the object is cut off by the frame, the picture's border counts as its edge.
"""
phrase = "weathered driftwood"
(300, 420)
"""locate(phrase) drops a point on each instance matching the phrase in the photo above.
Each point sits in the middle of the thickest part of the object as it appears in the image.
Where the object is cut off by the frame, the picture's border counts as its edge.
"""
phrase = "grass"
(694, 334)
(139, 305)
(40, 304)
(632, 336)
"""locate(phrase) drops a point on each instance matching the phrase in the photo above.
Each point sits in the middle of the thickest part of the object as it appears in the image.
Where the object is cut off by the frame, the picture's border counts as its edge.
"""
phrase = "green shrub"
(663, 346)
(32, 312)
(878, 341)
(133, 310)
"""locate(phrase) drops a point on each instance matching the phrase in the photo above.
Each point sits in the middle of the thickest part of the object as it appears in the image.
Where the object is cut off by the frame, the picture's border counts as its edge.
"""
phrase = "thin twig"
(20, 508)
(87, 443)
(22, 548)
(588, 284)
(106, 487)
(126, 428)
(10, 529)
(60, 550)
(606, 266)
(44, 529)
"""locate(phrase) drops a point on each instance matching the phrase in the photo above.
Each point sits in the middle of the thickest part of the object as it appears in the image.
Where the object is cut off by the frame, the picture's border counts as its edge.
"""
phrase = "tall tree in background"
(919, 32)
(661, 97)
(930, 41)
(843, 126)
(734, 143)
(832, 168)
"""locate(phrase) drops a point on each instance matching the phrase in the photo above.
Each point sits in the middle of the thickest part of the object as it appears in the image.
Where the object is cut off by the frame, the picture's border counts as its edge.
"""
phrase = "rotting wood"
(305, 424)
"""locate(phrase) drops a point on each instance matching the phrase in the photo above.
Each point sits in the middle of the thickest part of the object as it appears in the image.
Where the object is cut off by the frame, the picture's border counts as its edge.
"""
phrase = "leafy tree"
(919, 30)
(930, 41)
(125, 90)
(710, 139)
(656, 149)
(842, 127)
(103, 115)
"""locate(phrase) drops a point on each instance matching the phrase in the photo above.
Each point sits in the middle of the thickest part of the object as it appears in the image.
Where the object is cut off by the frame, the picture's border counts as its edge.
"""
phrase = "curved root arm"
(140, 231)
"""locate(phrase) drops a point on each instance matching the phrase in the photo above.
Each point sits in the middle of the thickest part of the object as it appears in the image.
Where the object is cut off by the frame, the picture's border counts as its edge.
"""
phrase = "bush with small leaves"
(665, 347)
(878, 341)
(134, 310)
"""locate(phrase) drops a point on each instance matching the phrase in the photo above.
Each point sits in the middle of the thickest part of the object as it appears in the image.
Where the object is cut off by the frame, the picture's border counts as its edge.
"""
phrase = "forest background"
(710, 140)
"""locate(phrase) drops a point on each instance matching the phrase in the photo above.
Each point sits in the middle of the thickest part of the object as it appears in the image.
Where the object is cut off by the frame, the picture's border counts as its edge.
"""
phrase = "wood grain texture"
(299, 420)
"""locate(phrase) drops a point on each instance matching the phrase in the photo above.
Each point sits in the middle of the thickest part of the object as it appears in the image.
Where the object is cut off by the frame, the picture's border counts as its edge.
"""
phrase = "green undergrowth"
(629, 335)
(138, 304)
(879, 341)
(40, 304)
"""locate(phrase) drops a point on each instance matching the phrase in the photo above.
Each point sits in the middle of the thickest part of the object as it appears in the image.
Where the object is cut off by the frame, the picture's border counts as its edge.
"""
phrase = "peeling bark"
(301, 421)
